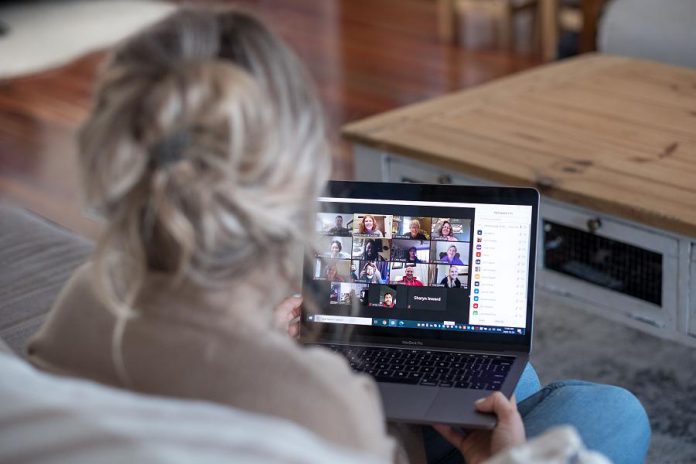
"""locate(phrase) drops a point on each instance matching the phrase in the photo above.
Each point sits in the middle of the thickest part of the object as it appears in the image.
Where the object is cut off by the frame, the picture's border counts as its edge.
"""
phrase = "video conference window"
(451, 229)
(451, 276)
(335, 247)
(348, 294)
(371, 249)
(410, 251)
(450, 252)
(372, 225)
(412, 227)
(384, 296)
(415, 275)
(372, 272)
(334, 224)
(333, 270)
(407, 263)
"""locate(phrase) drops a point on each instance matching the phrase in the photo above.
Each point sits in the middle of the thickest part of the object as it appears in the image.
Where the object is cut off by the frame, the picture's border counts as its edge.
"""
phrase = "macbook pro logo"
(411, 342)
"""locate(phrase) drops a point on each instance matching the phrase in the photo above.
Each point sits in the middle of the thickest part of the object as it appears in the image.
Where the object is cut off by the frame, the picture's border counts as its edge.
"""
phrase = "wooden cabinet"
(624, 271)
(608, 141)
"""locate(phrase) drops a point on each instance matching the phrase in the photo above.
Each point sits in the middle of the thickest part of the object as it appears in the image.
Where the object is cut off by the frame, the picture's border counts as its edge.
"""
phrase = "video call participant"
(336, 251)
(371, 251)
(332, 275)
(388, 300)
(451, 256)
(368, 226)
(414, 231)
(370, 273)
(338, 229)
(451, 280)
(411, 256)
(410, 279)
(444, 232)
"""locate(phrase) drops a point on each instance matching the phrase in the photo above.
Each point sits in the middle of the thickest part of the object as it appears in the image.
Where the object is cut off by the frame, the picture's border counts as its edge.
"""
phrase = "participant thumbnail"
(450, 252)
(383, 296)
(348, 294)
(451, 229)
(371, 249)
(336, 247)
(337, 224)
(451, 276)
(415, 275)
(372, 225)
(427, 298)
(411, 227)
(410, 251)
(373, 272)
(333, 270)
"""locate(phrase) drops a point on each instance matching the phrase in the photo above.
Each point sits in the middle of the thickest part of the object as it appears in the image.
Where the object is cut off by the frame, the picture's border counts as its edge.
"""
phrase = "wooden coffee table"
(610, 142)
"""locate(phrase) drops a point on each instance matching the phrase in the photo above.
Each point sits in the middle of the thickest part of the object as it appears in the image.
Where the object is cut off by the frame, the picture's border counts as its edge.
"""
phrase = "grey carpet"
(571, 343)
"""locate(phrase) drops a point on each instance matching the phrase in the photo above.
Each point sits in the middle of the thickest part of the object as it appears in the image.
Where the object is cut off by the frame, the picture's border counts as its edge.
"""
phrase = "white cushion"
(652, 29)
(47, 419)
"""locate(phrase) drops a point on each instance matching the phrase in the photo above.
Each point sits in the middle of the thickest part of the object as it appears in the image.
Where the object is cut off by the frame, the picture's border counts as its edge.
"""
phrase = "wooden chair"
(450, 12)
(550, 15)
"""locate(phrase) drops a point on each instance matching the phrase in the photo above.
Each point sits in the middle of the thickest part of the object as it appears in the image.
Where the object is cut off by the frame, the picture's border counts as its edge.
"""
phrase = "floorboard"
(366, 57)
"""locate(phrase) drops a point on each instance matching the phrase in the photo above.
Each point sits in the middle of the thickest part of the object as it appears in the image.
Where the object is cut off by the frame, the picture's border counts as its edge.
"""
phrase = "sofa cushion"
(656, 30)
(47, 419)
(36, 259)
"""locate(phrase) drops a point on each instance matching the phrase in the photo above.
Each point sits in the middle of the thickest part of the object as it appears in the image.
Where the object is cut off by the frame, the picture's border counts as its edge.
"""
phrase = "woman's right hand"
(479, 445)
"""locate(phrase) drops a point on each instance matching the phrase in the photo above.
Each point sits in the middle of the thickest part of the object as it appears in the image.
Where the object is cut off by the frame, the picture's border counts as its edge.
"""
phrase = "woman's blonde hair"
(205, 149)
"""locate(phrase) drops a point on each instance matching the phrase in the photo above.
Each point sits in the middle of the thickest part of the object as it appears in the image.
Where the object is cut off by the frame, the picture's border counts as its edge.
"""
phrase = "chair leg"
(548, 13)
(506, 25)
(448, 21)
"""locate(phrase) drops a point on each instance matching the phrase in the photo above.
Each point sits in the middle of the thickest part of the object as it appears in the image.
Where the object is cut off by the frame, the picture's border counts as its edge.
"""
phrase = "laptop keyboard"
(429, 368)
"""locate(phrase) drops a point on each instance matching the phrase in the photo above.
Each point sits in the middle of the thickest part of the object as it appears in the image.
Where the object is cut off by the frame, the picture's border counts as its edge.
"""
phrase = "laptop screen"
(408, 265)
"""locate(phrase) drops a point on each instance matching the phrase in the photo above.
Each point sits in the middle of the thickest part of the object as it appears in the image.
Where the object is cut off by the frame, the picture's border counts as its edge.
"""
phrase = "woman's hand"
(479, 445)
(287, 315)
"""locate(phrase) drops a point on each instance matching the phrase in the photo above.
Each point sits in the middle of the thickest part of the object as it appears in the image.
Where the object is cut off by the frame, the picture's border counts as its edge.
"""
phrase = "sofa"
(50, 419)
(655, 30)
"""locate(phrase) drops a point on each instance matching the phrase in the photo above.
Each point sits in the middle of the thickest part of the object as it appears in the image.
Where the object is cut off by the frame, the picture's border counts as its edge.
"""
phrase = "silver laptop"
(429, 289)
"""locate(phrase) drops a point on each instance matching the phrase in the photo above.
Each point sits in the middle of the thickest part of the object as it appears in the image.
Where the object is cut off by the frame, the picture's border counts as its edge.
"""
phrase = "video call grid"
(383, 248)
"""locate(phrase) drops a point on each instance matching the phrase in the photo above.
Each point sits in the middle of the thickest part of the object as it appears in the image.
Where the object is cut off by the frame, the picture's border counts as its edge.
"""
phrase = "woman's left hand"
(287, 311)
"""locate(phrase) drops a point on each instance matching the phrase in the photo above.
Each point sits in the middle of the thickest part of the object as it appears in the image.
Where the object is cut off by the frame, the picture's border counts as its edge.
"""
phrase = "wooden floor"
(366, 56)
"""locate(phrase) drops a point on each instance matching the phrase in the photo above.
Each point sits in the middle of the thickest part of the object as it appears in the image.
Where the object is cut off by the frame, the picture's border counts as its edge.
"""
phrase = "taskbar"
(410, 324)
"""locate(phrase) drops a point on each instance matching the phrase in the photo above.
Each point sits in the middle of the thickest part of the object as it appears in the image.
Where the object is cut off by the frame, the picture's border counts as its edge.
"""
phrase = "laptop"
(429, 289)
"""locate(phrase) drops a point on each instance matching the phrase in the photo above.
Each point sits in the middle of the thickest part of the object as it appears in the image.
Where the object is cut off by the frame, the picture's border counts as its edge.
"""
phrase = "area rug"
(570, 343)
(40, 35)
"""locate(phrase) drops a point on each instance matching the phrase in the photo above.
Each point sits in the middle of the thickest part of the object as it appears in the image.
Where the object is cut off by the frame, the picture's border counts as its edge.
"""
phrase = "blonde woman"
(205, 152)
(414, 231)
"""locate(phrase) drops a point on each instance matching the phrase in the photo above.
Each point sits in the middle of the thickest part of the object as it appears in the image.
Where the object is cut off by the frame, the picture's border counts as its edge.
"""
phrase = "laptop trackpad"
(456, 406)
(406, 402)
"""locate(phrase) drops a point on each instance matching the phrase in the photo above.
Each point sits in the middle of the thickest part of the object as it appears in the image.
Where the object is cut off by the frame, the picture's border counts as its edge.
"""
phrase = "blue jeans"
(609, 419)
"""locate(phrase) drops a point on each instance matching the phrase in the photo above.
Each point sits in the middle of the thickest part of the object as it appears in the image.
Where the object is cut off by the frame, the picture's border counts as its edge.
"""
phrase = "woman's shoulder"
(78, 323)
